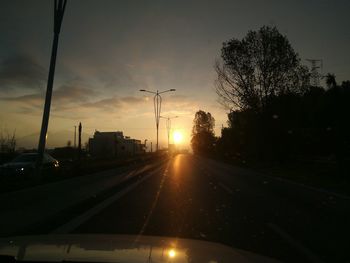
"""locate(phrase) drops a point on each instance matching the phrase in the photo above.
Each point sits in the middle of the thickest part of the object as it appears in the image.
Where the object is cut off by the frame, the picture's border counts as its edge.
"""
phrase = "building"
(114, 144)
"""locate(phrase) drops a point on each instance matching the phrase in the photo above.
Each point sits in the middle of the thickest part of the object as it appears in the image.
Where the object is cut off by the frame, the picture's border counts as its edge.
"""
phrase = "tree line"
(275, 114)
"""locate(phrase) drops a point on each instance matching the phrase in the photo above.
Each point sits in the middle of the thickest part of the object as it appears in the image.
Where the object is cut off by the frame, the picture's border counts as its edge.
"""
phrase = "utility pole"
(157, 102)
(151, 147)
(75, 136)
(316, 64)
(146, 145)
(79, 141)
(59, 7)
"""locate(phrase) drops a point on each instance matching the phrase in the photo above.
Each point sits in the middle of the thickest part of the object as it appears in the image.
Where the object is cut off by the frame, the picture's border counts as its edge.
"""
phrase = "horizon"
(107, 52)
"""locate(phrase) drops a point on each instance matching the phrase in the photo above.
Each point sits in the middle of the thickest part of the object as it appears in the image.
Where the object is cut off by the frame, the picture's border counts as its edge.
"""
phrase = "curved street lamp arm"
(166, 91)
(143, 90)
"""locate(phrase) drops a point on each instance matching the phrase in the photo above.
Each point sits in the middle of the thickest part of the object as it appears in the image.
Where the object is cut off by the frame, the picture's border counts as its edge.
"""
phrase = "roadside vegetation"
(278, 122)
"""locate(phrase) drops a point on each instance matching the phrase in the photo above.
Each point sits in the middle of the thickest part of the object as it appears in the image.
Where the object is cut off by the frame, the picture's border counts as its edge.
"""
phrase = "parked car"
(24, 165)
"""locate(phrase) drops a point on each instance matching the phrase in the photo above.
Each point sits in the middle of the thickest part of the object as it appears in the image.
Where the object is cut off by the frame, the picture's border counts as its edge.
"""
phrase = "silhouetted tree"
(7, 141)
(311, 126)
(330, 80)
(336, 113)
(260, 66)
(203, 138)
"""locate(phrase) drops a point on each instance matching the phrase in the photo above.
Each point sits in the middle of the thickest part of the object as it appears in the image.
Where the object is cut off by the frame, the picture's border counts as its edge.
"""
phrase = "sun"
(177, 136)
(172, 253)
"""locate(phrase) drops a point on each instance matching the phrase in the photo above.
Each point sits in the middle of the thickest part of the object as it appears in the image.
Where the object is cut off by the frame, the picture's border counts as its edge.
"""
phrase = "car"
(24, 165)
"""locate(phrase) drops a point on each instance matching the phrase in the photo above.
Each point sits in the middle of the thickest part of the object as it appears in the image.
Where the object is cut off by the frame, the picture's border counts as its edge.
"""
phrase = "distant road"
(194, 197)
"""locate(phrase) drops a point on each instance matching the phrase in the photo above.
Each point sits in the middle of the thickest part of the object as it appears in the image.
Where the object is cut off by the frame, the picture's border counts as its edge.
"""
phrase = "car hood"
(121, 248)
(18, 165)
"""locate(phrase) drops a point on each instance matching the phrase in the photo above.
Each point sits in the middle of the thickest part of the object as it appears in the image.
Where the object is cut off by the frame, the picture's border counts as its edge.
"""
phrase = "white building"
(114, 144)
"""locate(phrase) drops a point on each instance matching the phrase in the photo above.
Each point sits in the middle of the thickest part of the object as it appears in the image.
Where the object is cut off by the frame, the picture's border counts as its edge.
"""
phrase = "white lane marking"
(226, 188)
(154, 204)
(296, 244)
(75, 222)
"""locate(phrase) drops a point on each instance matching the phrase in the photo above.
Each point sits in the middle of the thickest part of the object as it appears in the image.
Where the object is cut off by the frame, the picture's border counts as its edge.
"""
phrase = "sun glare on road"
(177, 136)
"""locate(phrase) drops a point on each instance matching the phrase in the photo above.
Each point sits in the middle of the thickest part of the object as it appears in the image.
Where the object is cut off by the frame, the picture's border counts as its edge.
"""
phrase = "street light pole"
(168, 126)
(59, 7)
(157, 103)
(146, 145)
(75, 136)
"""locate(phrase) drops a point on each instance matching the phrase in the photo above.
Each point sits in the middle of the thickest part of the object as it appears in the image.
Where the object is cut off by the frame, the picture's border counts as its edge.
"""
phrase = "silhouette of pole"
(168, 126)
(75, 136)
(59, 7)
(79, 141)
(146, 145)
(151, 147)
(315, 76)
(157, 103)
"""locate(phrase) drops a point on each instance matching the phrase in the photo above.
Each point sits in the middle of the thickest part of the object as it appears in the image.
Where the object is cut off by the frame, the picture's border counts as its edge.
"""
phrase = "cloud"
(21, 71)
(120, 76)
(178, 103)
(104, 104)
(64, 98)
(73, 93)
(132, 100)
(71, 100)
(115, 103)
(27, 103)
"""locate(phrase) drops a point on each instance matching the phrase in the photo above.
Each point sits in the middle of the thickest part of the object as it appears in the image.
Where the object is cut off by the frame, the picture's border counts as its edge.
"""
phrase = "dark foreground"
(192, 197)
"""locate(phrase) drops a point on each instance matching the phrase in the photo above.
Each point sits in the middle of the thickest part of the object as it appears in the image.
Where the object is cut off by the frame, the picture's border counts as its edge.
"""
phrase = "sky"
(109, 50)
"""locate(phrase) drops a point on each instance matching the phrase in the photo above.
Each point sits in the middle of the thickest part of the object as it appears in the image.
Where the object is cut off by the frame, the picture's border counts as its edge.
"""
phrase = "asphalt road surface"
(197, 198)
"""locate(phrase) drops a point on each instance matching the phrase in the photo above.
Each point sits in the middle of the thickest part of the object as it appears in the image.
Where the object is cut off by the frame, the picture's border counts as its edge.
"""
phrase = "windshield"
(224, 122)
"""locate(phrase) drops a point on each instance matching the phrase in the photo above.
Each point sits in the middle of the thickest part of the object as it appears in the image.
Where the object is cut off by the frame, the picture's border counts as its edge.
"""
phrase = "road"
(193, 197)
